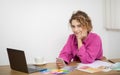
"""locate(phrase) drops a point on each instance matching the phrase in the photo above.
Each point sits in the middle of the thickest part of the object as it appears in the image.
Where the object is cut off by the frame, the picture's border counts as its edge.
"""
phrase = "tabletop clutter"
(96, 66)
(55, 71)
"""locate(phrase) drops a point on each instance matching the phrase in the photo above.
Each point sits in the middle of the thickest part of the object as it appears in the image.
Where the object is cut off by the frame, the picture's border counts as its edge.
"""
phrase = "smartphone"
(61, 61)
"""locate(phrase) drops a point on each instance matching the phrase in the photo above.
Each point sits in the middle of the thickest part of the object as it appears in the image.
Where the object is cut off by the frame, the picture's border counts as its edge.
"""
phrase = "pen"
(43, 70)
(111, 61)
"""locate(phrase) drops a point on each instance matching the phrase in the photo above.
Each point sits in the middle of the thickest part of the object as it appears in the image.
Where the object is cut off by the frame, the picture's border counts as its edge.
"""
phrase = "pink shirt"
(90, 51)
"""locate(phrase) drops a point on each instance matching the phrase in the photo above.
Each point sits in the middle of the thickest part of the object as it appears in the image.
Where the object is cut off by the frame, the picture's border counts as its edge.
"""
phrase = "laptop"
(18, 61)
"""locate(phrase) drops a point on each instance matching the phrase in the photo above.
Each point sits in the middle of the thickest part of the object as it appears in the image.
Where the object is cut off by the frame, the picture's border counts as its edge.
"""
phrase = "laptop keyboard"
(35, 69)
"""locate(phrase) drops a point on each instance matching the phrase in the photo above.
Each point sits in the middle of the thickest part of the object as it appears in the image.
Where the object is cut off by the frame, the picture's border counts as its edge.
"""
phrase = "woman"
(83, 45)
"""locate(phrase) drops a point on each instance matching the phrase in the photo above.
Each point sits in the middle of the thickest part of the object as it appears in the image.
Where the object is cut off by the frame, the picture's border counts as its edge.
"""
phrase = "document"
(95, 66)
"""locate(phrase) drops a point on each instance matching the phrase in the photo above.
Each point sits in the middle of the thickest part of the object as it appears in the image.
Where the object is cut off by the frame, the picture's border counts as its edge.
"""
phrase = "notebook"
(18, 61)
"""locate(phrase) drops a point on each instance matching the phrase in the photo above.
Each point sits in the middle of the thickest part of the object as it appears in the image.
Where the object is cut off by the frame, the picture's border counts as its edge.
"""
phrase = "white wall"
(112, 14)
(40, 27)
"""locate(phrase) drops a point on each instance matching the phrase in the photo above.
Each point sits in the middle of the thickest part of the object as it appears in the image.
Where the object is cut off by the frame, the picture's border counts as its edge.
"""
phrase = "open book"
(96, 66)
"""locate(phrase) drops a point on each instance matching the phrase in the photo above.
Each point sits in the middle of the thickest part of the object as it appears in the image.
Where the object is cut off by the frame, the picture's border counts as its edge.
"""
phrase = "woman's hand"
(80, 37)
(60, 63)
(82, 34)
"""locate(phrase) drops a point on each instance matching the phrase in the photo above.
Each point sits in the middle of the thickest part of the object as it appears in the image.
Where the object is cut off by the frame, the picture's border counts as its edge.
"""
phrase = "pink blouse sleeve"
(65, 53)
(92, 51)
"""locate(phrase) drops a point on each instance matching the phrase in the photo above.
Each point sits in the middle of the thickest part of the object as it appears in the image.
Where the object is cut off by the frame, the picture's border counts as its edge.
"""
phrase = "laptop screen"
(17, 60)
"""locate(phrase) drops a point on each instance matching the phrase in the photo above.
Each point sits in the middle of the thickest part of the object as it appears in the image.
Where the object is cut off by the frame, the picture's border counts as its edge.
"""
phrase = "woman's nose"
(76, 29)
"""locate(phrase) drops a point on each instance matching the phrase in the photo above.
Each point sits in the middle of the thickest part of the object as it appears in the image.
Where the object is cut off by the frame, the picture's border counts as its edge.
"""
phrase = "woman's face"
(77, 28)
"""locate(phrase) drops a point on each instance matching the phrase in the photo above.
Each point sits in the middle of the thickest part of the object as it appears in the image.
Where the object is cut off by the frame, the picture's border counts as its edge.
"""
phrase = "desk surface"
(6, 70)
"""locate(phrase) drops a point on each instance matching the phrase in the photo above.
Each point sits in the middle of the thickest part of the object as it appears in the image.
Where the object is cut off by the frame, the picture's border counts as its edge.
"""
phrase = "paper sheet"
(94, 67)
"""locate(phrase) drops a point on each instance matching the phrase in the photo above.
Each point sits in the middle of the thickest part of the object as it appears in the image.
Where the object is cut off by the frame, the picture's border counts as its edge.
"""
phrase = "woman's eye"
(72, 26)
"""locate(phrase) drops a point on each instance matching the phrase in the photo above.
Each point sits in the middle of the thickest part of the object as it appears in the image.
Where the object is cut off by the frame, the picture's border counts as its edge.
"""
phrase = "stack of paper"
(95, 66)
